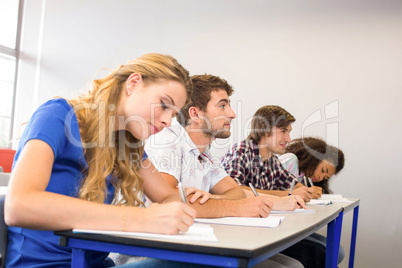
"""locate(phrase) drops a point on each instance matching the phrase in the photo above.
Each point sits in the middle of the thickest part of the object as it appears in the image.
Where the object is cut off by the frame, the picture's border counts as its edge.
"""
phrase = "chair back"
(3, 234)
(6, 159)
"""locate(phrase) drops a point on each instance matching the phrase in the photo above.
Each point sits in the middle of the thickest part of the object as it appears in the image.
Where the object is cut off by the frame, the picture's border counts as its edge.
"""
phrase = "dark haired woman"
(313, 158)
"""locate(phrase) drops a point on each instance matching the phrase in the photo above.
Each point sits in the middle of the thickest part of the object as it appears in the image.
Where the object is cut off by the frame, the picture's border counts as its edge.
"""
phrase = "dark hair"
(203, 85)
(310, 152)
(266, 118)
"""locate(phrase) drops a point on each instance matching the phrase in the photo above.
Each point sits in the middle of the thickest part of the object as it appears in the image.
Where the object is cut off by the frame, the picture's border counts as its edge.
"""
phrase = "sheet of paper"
(297, 210)
(270, 221)
(331, 196)
(319, 202)
(327, 199)
(196, 232)
(335, 198)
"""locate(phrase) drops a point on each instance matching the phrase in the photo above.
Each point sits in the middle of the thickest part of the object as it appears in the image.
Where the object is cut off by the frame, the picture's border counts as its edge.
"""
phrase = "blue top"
(55, 123)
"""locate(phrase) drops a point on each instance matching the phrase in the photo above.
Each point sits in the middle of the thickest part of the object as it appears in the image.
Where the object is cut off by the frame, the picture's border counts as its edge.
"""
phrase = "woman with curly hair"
(313, 158)
(77, 157)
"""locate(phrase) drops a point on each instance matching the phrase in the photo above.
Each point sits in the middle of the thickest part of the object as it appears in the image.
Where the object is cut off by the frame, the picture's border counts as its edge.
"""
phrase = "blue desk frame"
(353, 238)
(331, 257)
(198, 254)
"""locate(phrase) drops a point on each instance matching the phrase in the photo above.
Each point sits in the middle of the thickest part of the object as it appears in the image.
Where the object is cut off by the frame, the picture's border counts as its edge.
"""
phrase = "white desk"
(237, 247)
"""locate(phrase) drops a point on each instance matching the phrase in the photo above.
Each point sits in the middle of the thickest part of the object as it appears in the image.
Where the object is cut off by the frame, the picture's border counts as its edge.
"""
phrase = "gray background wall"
(333, 64)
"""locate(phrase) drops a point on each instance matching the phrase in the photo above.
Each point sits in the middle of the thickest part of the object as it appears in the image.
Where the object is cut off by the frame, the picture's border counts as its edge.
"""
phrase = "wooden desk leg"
(334, 230)
(79, 259)
(353, 239)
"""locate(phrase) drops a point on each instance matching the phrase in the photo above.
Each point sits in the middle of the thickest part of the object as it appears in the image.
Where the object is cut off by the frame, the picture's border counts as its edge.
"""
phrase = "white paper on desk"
(196, 232)
(297, 210)
(335, 198)
(270, 221)
(319, 202)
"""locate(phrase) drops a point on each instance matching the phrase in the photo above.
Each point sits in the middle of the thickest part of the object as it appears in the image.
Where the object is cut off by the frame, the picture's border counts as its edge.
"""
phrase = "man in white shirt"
(180, 153)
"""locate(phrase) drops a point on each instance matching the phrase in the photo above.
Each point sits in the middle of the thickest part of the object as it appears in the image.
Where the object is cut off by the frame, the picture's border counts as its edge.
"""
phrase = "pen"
(182, 192)
(253, 189)
(305, 181)
(311, 182)
(292, 185)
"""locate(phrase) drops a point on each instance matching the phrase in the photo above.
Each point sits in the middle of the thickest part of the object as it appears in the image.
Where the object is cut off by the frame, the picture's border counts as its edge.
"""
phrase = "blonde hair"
(104, 150)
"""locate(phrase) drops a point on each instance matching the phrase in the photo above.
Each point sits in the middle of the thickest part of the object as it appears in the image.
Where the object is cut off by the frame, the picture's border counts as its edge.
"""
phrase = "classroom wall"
(335, 65)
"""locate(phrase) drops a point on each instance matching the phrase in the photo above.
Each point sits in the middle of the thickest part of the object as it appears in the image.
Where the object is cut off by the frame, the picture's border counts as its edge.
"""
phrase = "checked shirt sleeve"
(283, 178)
(235, 163)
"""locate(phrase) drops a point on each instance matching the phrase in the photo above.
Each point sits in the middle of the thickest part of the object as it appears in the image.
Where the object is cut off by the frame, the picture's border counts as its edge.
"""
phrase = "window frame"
(16, 54)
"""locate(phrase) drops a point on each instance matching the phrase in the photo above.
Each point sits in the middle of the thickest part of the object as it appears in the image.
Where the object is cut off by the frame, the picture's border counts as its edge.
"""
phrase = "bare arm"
(27, 198)
(306, 193)
(213, 208)
(161, 194)
(227, 188)
(283, 203)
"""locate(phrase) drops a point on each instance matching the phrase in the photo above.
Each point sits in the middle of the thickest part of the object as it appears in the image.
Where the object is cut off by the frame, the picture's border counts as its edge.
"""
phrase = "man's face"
(218, 115)
(278, 139)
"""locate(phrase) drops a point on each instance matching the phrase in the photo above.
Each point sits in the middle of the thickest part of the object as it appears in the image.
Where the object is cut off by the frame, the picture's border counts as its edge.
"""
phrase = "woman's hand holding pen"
(169, 218)
(306, 193)
(317, 192)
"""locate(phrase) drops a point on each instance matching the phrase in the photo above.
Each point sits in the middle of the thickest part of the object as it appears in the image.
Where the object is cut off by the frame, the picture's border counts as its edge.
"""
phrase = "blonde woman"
(76, 156)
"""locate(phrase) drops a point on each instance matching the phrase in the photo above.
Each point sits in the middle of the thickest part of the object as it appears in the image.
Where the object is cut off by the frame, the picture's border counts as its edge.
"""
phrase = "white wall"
(302, 55)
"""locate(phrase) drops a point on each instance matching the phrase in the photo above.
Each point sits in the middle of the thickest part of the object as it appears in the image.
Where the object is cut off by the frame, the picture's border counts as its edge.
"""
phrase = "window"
(9, 48)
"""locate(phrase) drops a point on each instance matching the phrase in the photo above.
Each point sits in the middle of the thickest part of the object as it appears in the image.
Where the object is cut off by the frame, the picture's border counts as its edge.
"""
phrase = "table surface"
(239, 241)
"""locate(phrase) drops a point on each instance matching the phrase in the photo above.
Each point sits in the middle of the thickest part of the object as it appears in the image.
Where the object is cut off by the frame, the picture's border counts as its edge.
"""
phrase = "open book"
(196, 232)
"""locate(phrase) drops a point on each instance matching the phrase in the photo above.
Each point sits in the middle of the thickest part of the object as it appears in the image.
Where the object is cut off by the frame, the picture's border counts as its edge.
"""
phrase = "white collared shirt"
(173, 152)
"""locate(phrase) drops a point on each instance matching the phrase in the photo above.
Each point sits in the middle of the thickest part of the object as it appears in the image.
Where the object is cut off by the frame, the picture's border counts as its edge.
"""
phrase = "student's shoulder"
(244, 146)
(288, 157)
(54, 107)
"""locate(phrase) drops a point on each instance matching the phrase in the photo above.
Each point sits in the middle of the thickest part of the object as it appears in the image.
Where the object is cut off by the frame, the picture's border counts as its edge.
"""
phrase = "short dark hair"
(203, 85)
(266, 118)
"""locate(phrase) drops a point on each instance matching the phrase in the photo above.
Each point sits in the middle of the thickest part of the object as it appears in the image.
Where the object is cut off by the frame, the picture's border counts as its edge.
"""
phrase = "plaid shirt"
(243, 162)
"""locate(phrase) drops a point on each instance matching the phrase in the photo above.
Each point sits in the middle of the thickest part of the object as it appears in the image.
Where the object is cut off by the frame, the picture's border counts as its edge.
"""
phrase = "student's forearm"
(284, 203)
(233, 194)
(61, 213)
(215, 208)
(246, 207)
(269, 192)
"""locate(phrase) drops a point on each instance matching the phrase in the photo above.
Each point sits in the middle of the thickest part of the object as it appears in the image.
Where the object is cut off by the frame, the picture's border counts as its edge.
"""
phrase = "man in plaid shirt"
(254, 159)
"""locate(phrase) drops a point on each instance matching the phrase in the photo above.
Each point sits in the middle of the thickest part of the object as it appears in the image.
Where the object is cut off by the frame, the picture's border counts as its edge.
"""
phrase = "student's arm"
(163, 193)
(224, 189)
(227, 188)
(235, 163)
(315, 191)
(284, 203)
(214, 208)
(304, 192)
(28, 205)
